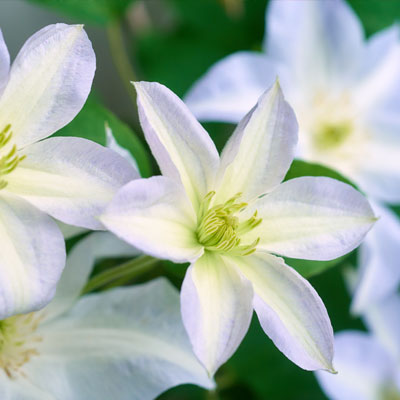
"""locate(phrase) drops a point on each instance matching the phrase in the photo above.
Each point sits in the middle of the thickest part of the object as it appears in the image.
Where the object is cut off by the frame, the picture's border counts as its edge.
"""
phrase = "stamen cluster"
(219, 228)
(17, 341)
(11, 159)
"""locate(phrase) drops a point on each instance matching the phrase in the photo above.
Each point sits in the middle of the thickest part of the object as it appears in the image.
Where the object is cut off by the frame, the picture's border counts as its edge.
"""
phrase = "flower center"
(219, 227)
(329, 135)
(18, 341)
(9, 159)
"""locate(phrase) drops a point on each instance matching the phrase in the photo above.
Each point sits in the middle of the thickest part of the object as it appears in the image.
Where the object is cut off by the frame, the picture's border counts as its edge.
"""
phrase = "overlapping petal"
(4, 63)
(49, 82)
(79, 265)
(379, 272)
(132, 336)
(260, 151)
(314, 218)
(72, 179)
(183, 149)
(365, 369)
(290, 311)
(216, 303)
(155, 216)
(318, 39)
(32, 257)
(231, 87)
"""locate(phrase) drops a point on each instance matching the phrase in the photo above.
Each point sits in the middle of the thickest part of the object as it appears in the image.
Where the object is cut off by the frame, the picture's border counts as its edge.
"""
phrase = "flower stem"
(121, 59)
(121, 273)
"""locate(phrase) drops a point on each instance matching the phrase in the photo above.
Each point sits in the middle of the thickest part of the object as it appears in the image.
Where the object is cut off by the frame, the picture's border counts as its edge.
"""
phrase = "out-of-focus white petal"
(72, 179)
(290, 311)
(4, 63)
(321, 41)
(155, 216)
(80, 262)
(231, 87)
(378, 269)
(383, 319)
(20, 389)
(49, 82)
(70, 231)
(216, 303)
(364, 368)
(126, 344)
(260, 151)
(314, 218)
(183, 149)
(32, 257)
(112, 144)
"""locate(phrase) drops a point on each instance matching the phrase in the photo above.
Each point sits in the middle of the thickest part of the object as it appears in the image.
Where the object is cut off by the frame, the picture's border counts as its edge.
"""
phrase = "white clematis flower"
(368, 363)
(71, 179)
(227, 215)
(345, 92)
(126, 344)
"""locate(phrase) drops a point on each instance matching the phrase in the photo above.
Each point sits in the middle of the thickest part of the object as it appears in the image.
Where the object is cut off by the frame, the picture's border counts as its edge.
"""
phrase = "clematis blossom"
(70, 179)
(126, 343)
(228, 216)
(368, 363)
(345, 92)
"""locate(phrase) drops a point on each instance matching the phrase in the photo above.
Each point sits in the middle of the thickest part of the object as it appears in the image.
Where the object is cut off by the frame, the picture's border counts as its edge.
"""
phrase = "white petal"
(378, 269)
(70, 231)
(125, 344)
(49, 82)
(155, 216)
(261, 149)
(80, 262)
(322, 41)
(216, 303)
(183, 149)
(363, 368)
(231, 87)
(290, 311)
(383, 319)
(19, 388)
(4, 63)
(32, 257)
(315, 218)
(72, 179)
(112, 144)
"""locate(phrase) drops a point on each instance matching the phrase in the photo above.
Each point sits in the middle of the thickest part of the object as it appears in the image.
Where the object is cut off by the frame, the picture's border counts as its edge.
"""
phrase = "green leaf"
(303, 168)
(89, 124)
(91, 11)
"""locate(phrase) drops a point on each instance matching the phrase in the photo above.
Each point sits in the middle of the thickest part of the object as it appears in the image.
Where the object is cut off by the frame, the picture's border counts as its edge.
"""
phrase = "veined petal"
(231, 87)
(378, 269)
(72, 179)
(290, 311)
(363, 365)
(318, 39)
(80, 262)
(49, 82)
(181, 146)
(4, 63)
(155, 216)
(261, 149)
(216, 304)
(32, 257)
(126, 344)
(313, 218)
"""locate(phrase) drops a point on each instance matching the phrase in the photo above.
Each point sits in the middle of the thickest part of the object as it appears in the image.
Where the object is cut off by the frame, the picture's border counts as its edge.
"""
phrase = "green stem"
(121, 59)
(128, 270)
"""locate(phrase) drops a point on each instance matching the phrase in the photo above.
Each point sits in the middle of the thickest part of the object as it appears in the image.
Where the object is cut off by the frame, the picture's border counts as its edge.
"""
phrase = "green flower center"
(9, 159)
(219, 227)
(331, 135)
(17, 341)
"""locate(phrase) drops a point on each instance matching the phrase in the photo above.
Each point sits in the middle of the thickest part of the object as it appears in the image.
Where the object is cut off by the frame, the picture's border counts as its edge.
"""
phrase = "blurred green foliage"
(174, 43)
